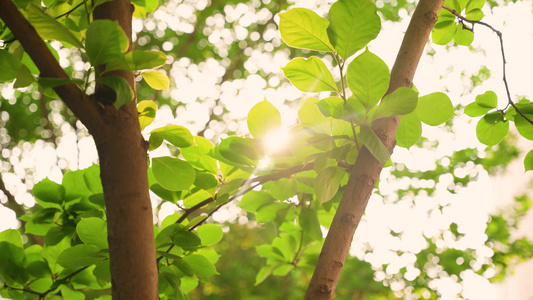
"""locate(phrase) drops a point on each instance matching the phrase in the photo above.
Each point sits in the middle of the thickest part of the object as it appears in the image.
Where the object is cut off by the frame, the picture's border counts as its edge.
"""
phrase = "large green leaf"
(308, 220)
(303, 28)
(409, 130)
(434, 109)
(93, 231)
(201, 265)
(12, 269)
(197, 155)
(492, 128)
(400, 102)
(210, 234)
(310, 75)
(49, 28)
(105, 42)
(80, 256)
(368, 78)
(146, 110)
(489, 99)
(178, 136)
(253, 200)
(121, 87)
(372, 142)
(353, 25)
(186, 240)
(48, 191)
(10, 66)
(310, 116)
(332, 107)
(173, 174)
(138, 60)
(327, 183)
(444, 31)
(262, 119)
(524, 127)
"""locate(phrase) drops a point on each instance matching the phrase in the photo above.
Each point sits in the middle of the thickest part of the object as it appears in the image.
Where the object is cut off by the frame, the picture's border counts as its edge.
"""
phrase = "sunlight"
(276, 141)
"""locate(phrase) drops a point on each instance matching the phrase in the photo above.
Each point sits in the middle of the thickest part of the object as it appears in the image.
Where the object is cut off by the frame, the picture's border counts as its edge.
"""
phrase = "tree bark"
(366, 170)
(122, 153)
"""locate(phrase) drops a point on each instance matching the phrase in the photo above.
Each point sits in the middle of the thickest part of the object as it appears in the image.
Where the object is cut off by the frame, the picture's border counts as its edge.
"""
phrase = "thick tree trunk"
(122, 153)
(366, 170)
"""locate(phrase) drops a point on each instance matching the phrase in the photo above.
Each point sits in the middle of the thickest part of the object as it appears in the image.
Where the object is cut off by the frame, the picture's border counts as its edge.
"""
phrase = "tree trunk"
(366, 170)
(122, 153)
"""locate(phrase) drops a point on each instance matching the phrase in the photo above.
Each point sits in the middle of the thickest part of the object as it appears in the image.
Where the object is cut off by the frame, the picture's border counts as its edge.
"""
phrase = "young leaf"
(353, 25)
(464, 36)
(121, 87)
(409, 130)
(49, 28)
(210, 234)
(523, 126)
(146, 110)
(105, 42)
(201, 266)
(93, 231)
(487, 100)
(528, 161)
(138, 60)
(303, 28)
(400, 102)
(309, 75)
(327, 183)
(156, 80)
(310, 116)
(492, 128)
(178, 136)
(262, 119)
(434, 109)
(444, 31)
(197, 155)
(24, 77)
(372, 142)
(173, 174)
(253, 200)
(368, 78)
(474, 110)
(263, 274)
(332, 107)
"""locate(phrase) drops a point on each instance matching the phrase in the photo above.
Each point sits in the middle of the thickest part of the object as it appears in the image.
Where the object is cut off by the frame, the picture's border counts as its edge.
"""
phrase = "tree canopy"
(224, 149)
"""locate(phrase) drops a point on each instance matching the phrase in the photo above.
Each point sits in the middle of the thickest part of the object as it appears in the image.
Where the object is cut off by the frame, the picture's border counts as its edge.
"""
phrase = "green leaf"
(156, 80)
(474, 110)
(105, 42)
(11, 236)
(12, 269)
(173, 174)
(183, 266)
(186, 240)
(240, 150)
(475, 15)
(263, 274)
(309, 75)
(524, 127)
(303, 28)
(49, 28)
(327, 183)
(434, 109)
(10, 66)
(528, 161)
(309, 115)
(368, 78)
(492, 128)
(332, 107)
(444, 31)
(93, 231)
(197, 155)
(474, 4)
(138, 60)
(487, 100)
(103, 271)
(353, 25)
(146, 110)
(262, 119)
(41, 285)
(400, 102)
(91, 176)
(121, 87)
(201, 265)
(464, 36)
(308, 220)
(253, 200)
(79, 256)
(210, 234)
(24, 77)
(374, 144)
(269, 212)
(49, 191)
(178, 136)
(409, 130)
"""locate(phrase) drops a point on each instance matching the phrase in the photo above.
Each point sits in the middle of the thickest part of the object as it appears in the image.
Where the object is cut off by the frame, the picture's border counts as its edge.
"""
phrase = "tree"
(337, 135)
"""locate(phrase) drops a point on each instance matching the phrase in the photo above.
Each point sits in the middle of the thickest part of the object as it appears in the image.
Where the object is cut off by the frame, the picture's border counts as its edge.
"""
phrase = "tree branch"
(367, 169)
(71, 94)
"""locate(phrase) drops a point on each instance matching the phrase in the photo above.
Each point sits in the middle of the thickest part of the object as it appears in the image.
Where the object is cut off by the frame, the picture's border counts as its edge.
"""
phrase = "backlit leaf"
(492, 128)
(79, 256)
(93, 231)
(409, 130)
(400, 102)
(49, 28)
(173, 174)
(263, 118)
(121, 87)
(105, 42)
(374, 144)
(327, 183)
(434, 109)
(309, 75)
(303, 28)
(368, 78)
(156, 80)
(147, 110)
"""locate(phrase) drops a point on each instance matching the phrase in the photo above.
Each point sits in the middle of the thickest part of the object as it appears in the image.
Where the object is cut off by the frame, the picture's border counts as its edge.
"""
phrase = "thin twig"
(504, 61)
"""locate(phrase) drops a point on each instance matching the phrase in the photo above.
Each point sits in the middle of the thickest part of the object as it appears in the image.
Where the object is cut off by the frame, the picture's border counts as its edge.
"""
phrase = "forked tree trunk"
(122, 153)
(366, 170)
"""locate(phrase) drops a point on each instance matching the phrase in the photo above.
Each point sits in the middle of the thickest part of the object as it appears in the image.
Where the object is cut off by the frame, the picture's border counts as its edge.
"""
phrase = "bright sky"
(441, 72)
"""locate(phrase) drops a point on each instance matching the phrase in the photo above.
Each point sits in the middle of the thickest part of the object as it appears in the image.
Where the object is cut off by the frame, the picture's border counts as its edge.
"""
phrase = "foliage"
(295, 195)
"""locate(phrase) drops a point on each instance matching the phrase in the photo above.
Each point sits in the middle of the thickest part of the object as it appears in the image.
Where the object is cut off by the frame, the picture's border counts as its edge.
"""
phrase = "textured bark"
(122, 153)
(366, 170)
